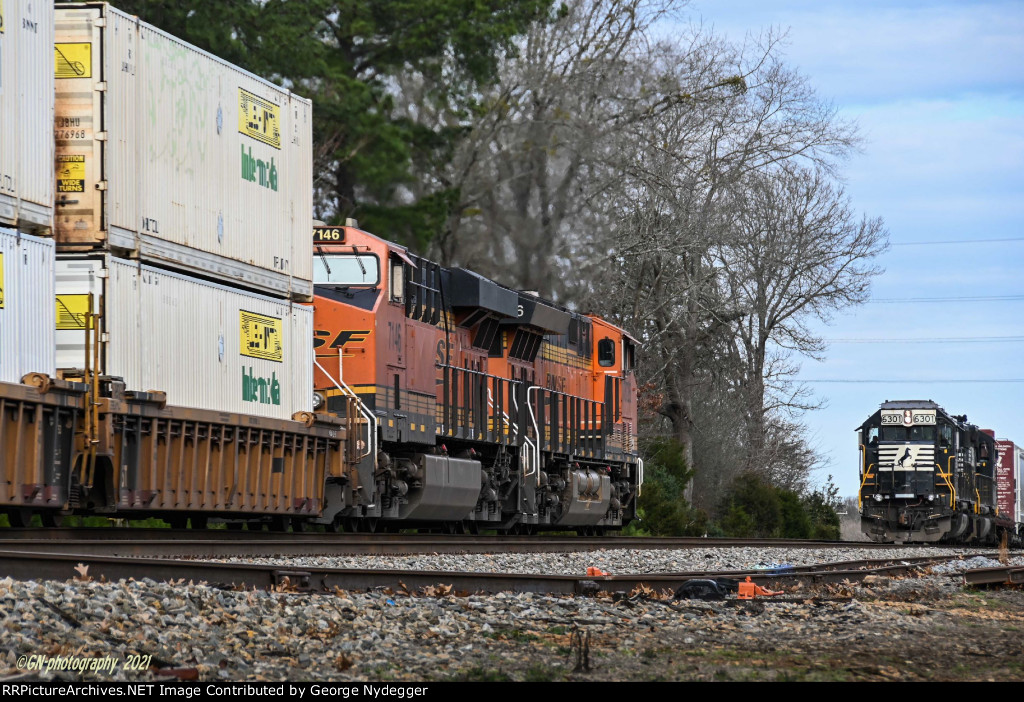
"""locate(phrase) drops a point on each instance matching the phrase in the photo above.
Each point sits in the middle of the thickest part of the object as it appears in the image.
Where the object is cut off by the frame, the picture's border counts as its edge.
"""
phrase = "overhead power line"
(957, 241)
(965, 298)
(933, 340)
(912, 380)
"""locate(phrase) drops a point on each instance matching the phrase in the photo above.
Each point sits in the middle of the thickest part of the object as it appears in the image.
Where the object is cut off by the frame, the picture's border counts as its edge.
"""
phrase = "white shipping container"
(26, 306)
(26, 114)
(206, 345)
(179, 157)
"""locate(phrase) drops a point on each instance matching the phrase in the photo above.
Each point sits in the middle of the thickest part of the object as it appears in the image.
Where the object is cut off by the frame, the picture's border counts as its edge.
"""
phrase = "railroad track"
(28, 565)
(1001, 575)
(223, 543)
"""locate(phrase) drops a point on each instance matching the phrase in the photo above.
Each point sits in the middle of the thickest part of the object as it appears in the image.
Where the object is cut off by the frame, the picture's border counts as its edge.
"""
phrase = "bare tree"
(795, 251)
(543, 160)
(732, 112)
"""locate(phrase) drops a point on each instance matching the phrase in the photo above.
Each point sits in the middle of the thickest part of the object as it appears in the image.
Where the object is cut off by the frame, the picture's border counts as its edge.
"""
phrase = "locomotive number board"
(908, 417)
(328, 235)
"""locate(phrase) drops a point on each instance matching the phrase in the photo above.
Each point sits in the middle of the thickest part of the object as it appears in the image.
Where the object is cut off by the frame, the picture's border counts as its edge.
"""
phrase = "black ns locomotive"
(927, 476)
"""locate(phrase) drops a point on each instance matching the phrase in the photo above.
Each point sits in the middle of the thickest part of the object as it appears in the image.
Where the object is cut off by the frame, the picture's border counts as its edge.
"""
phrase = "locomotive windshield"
(346, 269)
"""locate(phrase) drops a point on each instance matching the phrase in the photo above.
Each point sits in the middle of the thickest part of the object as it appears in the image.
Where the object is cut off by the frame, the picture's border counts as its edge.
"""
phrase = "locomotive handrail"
(945, 477)
(536, 429)
(513, 426)
(639, 476)
(371, 426)
(528, 467)
(867, 474)
(504, 414)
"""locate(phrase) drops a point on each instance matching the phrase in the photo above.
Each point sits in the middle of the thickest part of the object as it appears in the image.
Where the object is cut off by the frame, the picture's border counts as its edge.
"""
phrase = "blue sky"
(937, 89)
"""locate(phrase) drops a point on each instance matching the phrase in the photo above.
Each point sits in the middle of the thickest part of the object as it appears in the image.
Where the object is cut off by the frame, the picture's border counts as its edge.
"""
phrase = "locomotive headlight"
(877, 498)
(931, 498)
(318, 401)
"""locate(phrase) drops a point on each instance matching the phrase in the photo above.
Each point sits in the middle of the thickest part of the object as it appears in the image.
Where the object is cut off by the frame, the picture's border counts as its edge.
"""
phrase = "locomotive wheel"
(52, 519)
(369, 525)
(19, 517)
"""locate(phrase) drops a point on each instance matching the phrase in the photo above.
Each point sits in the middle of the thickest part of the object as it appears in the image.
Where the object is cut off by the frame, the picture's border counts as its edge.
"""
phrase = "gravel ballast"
(911, 628)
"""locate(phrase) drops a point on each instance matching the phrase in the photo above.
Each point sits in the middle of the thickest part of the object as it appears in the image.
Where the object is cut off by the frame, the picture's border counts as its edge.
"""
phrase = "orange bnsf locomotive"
(483, 407)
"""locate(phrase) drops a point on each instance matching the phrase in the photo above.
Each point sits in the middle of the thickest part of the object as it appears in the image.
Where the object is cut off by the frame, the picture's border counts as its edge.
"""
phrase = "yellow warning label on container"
(70, 173)
(1, 268)
(260, 336)
(73, 60)
(259, 119)
(72, 311)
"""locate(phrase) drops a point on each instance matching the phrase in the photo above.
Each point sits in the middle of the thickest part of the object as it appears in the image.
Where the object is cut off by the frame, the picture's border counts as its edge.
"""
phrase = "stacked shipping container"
(171, 155)
(26, 306)
(26, 189)
(184, 205)
(26, 115)
(205, 345)
(180, 211)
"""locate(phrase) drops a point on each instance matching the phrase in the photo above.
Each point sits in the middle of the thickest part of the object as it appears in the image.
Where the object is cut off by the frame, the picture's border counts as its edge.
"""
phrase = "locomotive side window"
(947, 435)
(397, 281)
(606, 353)
(628, 355)
(346, 269)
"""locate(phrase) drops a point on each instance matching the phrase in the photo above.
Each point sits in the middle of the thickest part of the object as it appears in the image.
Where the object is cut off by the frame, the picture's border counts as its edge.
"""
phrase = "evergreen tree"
(350, 57)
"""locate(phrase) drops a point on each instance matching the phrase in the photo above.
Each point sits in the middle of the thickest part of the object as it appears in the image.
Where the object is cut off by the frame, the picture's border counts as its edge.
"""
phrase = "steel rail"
(398, 543)
(1001, 575)
(25, 565)
(225, 548)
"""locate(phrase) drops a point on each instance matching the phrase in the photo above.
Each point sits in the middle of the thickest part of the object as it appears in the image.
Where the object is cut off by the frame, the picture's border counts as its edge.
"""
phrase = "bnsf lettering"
(554, 382)
(443, 352)
(320, 337)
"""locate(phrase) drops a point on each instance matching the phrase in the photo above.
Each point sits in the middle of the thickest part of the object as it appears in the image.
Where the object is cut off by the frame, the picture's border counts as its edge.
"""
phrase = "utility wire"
(956, 241)
(935, 340)
(910, 380)
(974, 298)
